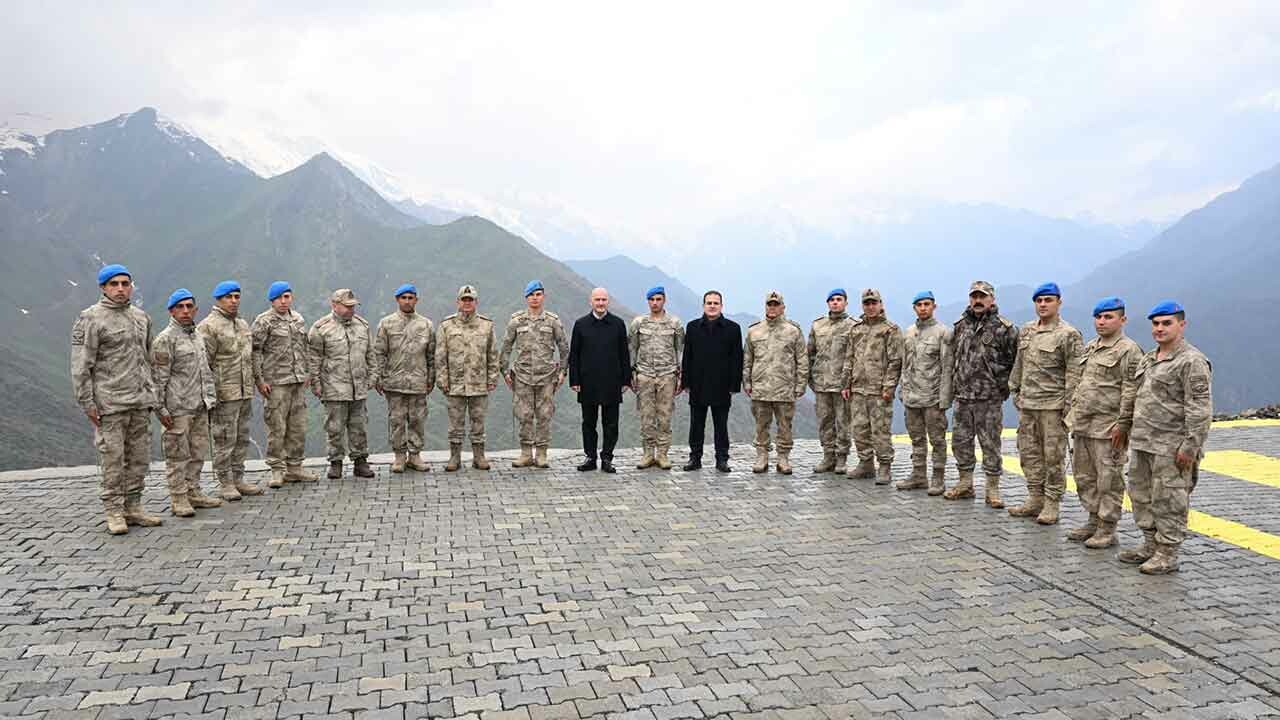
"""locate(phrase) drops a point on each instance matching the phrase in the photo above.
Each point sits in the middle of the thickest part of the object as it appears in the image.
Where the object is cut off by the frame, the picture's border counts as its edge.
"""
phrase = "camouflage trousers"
(1099, 473)
(655, 402)
(833, 413)
(346, 421)
(983, 419)
(869, 420)
(533, 406)
(1161, 495)
(765, 413)
(1042, 449)
(229, 423)
(123, 440)
(285, 413)
(463, 408)
(406, 417)
(927, 426)
(186, 443)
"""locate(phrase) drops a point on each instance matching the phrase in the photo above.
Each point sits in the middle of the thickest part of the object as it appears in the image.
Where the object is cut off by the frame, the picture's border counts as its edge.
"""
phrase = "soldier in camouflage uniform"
(1043, 381)
(655, 341)
(1100, 419)
(466, 371)
(829, 339)
(775, 370)
(533, 363)
(340, 360)
(280, 372)
(926, 393)
(111, 377)
(984, 346)
(872, 368)
(404, 370)
(1172, 413)
(229, 344)
(185, 394)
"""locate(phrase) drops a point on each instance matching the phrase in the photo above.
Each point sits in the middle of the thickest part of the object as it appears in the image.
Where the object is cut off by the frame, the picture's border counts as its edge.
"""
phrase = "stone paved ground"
(517, 595)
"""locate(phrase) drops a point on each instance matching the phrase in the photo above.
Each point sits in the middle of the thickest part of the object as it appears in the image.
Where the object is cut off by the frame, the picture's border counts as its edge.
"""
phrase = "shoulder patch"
(160, 358)
(77, 331)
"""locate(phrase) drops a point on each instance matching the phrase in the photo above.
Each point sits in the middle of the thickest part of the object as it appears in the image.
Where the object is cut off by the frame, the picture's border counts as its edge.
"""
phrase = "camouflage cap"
(468, 291)
(871, 294)
(981, 286)
(773, 296)
(344, 296)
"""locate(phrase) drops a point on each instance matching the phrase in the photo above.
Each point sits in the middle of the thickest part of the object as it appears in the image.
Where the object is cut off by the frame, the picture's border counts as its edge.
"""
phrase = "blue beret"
(178, 296)
(407, 288)
(922, 295)
(533, 286)
(655, 290)
(110, 271)
(226, 287)
(1106, 304)
(277, 289)
(837, 291)
(1168, 307)
(1049, 288)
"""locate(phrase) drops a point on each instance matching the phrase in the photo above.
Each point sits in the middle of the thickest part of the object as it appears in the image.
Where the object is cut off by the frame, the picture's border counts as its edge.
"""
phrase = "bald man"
(599, 372)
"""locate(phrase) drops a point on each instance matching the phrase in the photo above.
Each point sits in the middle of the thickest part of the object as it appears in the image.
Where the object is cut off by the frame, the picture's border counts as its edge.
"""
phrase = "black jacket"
(712, 366)
(599, 360)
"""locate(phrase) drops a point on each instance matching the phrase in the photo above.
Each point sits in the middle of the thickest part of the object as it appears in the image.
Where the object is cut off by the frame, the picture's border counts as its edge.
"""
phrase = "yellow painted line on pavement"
(1244, 465)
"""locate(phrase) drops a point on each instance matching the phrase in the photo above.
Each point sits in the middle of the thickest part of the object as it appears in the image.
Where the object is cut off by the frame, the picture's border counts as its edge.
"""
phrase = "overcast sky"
(668, 115)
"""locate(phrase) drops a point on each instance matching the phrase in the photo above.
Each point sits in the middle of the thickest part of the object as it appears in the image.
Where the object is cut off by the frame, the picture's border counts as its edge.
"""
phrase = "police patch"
(1200, 385)
(77, 333)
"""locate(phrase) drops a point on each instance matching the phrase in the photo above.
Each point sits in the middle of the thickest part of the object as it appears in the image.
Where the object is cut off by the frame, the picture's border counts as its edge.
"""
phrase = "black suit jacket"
(599, 359)
(712, 366)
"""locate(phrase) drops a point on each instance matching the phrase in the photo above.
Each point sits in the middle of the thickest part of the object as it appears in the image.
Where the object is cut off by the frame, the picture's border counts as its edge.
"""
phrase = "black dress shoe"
(693, 464)
(607, 466)
(590, 464)
(723, 466)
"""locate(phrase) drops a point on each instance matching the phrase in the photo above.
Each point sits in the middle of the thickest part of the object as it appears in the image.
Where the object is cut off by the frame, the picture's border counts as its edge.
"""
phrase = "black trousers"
(698, 426)
(609, 419)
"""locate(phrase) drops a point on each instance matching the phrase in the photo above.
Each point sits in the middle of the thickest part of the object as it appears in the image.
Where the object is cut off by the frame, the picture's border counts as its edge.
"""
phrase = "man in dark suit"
(599, 370)
(711, 371)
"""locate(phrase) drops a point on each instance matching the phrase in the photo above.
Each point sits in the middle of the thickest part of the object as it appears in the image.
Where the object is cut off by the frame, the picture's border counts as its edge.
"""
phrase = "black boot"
(607, 466)
(589, 464)
(695, 463)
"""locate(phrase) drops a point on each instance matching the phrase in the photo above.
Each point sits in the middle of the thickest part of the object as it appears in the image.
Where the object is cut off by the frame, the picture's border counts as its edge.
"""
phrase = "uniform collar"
(188, 329)
(107, 302)
(922, 324)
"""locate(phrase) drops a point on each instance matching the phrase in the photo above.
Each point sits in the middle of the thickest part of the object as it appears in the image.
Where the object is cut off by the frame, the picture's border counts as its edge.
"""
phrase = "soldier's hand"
(1119, 438)
(264, 388)
(378, 387)
(678, 389)
(887, 396)
(493, 386)
(315, 389)
(747, 390)
(576, 388)
(166, 421)
(845, 393)
(1017, 401)
(92, 414)
(1183, 460)
(507, 379)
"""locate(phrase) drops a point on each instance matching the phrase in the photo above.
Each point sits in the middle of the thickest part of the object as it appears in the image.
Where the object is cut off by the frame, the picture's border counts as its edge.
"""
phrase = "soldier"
(112, 379)
(534, 360)
(185, 394)
(926, 394)
(404, 370)
(229, 344)
(466, 371)
(872, 368)
(1100, 419)
(829, 339)
(775, 370)
(1172, 413)
(655, 341)
(984, 345)
(1043, 381)
(280, 372)
(340, 360)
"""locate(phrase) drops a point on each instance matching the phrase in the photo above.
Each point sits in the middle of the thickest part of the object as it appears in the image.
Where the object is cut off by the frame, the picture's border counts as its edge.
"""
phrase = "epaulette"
(484, 317)
(516, 314)
(754, 324)
(822, 317)
(796, 325)
(450, 317)
(1005, 321)
(551, 315)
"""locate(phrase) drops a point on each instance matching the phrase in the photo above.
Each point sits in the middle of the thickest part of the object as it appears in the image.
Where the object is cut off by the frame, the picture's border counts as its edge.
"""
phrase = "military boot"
(227, 489)
(335, 470)
(962, 489)
(245, 488)
(865, 469)
(277, 478)
(884, 476)
(1084, 532)
(414, 461)
(1142, 553)
(827, 464)
(525, 459)
(917, 480)
(762, 462)
(295, 473)
(1163, 562)
(1104, 537)
(784, 462)
(1049, 513)
(540, 459)
(397, 464)
(664, 462)
(993, 492)
(841, 460)
(647, 460)
(116, 524)
(362, 468)
(455, 458)
(478, 460)
(200, 501)
(180, 506)
(135, 515)
(1031, 507)
(938, 482)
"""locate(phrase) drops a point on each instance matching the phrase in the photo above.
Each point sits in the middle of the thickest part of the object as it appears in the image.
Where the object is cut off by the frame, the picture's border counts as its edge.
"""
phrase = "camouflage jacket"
(775, 362)
(535, 348)
(829, 338)
(926, 365)
(1047, 370)
(983, 350)
(340, 357)
(873, 363)
(279, 348)
(466, 355)
(184, 382)
(656, 344)
(110, 345)
(1174, 404)
(404, 354)
(1104, 397)
(229, 345)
